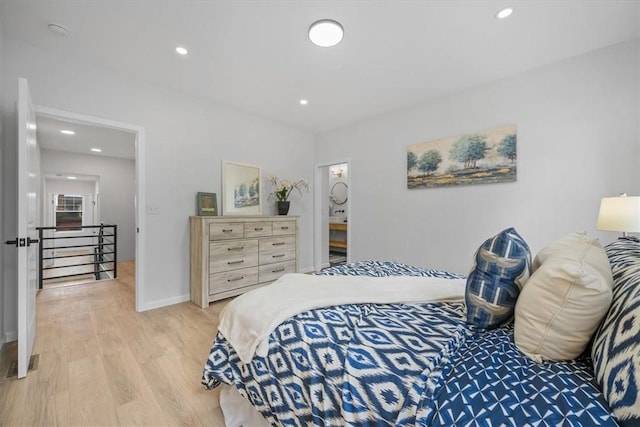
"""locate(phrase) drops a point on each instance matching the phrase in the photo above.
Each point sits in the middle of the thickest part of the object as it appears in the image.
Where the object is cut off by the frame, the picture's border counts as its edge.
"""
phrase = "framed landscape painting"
(240, 189)
(480, 158)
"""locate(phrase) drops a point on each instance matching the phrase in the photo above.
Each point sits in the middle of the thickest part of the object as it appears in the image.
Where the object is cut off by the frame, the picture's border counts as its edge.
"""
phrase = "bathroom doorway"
(338, 214)
(333, 215)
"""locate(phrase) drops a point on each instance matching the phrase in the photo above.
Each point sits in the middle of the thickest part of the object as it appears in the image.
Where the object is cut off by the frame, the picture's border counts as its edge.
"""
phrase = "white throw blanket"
(247, 321)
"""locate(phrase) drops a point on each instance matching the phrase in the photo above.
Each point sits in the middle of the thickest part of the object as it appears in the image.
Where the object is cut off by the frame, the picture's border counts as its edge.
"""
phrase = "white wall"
(186, 140)
(2, 234)
(577, 142)
(117, 190)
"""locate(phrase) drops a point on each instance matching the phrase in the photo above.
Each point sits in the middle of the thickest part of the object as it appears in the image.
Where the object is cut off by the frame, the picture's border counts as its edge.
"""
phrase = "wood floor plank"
(103, 364)
(90, 400)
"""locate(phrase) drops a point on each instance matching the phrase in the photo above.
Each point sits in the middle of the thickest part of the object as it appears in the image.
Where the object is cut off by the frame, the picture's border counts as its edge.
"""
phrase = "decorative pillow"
(616, 345)
(562, 304)
(501, 266)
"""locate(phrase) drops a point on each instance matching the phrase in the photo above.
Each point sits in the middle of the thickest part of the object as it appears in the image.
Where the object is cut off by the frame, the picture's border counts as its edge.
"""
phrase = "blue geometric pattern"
(385, 268)
(501, 267)
(363, 364)
(616, 346)
(491, 381)
(404, 365)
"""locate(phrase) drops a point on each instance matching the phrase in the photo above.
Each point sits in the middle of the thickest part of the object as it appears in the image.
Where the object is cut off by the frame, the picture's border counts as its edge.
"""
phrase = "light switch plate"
(153, 210)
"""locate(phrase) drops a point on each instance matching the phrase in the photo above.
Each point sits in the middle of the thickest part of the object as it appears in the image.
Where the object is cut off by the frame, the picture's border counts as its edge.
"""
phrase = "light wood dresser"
(234, 254)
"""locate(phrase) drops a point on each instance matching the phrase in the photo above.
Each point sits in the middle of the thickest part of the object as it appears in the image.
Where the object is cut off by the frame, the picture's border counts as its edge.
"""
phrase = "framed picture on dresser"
(206, 204)
(241, 184)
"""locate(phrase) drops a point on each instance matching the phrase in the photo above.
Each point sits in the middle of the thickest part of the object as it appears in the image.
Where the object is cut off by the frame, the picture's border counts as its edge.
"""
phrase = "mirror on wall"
(339, 193)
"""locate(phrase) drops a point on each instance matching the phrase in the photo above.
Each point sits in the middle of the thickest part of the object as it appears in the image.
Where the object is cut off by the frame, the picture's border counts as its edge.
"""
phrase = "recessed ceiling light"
(182, 50)
(58, 29)
(67, 132)
(72, 177)
(504, 13)
(96, 150)
(326, 33)
(303, 102)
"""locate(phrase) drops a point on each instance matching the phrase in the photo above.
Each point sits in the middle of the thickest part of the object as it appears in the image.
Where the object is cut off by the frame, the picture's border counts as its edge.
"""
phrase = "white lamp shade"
(619, 214)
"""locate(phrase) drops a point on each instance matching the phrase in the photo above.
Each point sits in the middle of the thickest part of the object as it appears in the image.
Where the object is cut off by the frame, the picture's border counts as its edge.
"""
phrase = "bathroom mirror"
(339, 193)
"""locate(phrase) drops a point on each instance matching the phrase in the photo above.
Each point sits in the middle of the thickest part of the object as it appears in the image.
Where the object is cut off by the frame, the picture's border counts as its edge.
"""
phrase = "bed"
(417, 363)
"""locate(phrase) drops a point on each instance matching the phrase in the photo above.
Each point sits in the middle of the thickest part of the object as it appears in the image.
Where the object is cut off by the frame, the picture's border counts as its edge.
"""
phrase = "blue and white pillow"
(616, 345)
(501, 267)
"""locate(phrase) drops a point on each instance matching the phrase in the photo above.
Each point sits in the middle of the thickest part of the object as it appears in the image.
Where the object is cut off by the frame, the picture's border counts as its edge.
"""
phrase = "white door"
(28, 175)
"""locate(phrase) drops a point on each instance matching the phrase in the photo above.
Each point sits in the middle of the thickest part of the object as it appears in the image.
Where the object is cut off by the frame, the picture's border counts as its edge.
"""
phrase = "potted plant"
(281, 189)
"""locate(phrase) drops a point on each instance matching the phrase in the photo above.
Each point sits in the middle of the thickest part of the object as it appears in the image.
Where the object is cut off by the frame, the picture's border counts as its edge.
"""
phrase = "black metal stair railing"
(101, 247)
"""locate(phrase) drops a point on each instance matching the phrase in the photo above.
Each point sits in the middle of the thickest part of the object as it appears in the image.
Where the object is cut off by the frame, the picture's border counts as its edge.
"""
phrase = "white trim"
(308, 270)
(166, 302)
(318, 219)
(10, 336)
(140, 198)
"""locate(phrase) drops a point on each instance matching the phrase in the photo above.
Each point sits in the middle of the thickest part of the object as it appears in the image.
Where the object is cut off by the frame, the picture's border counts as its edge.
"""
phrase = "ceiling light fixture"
(181, 50)
(58, 29)
(72, 177)
(303, 102)
(326, 33)
(67, 132)
(96, 150)
(504, 13)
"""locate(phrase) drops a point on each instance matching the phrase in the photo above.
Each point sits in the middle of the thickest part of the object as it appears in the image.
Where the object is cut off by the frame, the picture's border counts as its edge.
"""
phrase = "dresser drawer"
(271, 272)
(226, 230)
(257, 229)
(232, 254)
(284, 227)
(277, 249)
(220, 282)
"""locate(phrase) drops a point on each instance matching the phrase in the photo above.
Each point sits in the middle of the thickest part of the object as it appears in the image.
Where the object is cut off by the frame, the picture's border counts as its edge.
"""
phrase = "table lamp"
(620, 213)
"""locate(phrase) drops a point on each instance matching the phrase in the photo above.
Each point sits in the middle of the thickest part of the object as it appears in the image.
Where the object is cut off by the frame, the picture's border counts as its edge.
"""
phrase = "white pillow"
(564, 300)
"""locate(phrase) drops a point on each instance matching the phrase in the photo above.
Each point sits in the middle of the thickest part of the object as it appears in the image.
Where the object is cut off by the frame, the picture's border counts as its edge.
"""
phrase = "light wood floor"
(103, 364)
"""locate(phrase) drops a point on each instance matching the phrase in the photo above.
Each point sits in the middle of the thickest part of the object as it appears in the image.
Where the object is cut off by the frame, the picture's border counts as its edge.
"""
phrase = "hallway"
(103, 364)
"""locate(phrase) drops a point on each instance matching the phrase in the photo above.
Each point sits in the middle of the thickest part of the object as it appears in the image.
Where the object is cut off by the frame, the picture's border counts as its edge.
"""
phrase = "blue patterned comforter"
(401, 365)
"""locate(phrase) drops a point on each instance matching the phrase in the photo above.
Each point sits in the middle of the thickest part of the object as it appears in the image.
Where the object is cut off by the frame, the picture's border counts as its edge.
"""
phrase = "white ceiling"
(112, 142)
(255, 55)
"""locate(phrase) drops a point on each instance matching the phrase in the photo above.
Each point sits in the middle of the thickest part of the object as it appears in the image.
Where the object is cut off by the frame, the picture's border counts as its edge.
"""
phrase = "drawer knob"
(286, 227)
(227, 230)
(277, 256)
(235, 262)
(258, 229)
(235, 279)
(239, 248)
(277, 244)
(278, 270)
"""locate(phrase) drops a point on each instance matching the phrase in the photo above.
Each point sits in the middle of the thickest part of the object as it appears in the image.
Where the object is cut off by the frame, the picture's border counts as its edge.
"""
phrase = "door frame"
(320, 223)
(140, 197)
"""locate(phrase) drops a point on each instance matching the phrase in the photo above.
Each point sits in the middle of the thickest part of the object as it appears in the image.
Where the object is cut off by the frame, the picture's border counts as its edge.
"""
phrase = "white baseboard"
(322, 266)
(165, 302)
(307, 270)
(10, 336)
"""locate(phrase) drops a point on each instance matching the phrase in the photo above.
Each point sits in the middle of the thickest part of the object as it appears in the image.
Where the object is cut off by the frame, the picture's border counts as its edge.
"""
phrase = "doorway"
(138, 139)
(68, 251)
(333, 216)
(338, 214)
